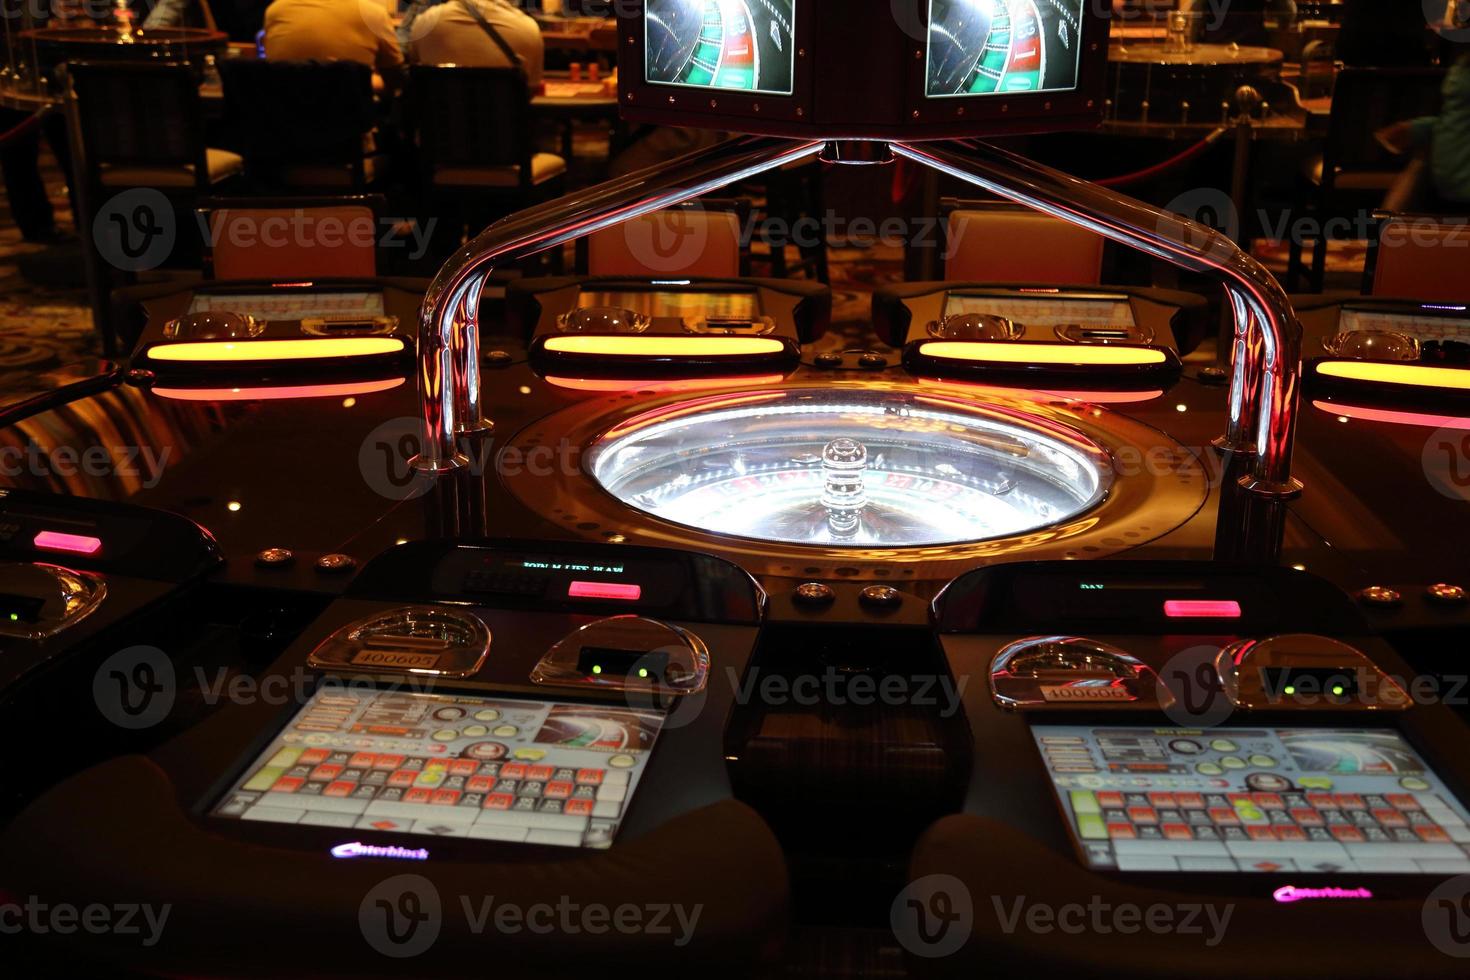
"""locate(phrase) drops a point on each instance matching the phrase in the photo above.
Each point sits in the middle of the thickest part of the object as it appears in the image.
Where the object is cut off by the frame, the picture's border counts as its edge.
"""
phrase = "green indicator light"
(15, 617)
(596, 668)
(642, 671)
(1337, 690)
(1291, 689)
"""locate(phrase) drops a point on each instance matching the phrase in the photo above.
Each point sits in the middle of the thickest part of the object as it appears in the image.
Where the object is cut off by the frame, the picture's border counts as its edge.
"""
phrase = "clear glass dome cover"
(851, 467)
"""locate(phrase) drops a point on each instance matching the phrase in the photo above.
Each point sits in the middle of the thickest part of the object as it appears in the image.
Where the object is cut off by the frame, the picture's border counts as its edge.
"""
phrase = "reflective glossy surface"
(860, 468)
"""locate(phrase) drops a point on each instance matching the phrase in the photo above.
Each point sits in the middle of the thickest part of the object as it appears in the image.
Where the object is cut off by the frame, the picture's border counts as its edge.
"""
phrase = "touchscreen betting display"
(997, 47)
(745, 45)
(441, 765)
(1263, 800)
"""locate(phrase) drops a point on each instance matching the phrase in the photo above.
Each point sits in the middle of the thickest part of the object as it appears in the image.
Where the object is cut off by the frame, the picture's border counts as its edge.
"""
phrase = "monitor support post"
(1267, 346)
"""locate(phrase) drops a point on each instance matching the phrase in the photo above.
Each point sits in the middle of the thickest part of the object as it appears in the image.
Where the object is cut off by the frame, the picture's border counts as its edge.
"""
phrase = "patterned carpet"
(41, 328)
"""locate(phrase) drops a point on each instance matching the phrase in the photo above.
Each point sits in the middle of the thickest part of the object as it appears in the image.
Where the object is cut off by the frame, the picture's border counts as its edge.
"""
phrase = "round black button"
(872, 361)
(828, 360)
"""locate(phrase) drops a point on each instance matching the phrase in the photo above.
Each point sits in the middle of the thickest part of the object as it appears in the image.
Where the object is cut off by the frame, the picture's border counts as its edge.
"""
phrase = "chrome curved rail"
(449, 344)
(1266, 348)
(1268, 336)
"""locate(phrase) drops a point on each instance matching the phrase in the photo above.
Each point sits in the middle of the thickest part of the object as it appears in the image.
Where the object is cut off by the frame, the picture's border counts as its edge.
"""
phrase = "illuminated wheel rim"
(866, 468)
(548, 467)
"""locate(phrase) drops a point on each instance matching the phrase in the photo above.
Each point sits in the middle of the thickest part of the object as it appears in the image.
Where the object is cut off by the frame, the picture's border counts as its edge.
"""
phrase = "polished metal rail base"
(1266, 352)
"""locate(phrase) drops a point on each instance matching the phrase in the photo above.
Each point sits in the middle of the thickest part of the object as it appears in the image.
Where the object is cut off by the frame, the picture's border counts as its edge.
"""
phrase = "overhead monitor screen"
(1255, 800)
(744, 45)
(998, 47)
(450, 765)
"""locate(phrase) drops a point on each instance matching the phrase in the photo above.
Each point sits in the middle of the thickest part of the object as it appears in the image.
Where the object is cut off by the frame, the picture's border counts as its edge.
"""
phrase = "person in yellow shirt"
(334, 30)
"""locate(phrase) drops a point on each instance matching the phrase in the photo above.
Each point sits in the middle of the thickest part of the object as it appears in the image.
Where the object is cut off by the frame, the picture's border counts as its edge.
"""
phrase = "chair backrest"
(1422, 257)
(298, 112)
(472, 117)
(140, 123)
(1364, 100)
(691, 242)
(291, 238)
(993, 242)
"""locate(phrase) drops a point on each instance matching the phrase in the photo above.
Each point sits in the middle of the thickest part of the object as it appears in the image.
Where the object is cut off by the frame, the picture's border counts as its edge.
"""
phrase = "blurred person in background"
(477, 33)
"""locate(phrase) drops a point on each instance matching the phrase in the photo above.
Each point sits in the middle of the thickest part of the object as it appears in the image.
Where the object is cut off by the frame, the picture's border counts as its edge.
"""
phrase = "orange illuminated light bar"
(614, 354)
(1396, 373)
(1098, 365)
(275, 351)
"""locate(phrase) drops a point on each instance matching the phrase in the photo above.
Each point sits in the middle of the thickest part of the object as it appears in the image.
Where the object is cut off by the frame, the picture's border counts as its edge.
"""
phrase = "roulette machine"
(631, 623)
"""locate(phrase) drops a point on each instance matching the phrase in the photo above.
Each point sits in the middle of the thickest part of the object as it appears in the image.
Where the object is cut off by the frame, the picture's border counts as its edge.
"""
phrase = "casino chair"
(475, 141)
(990, 241)
(1418, 256)
(138, 128)
(1355, 171)
(697, 241)
(238, 246)
(304, 125)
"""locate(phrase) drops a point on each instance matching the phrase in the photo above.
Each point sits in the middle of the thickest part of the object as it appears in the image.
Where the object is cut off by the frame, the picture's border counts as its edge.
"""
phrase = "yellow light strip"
(1384, 372)
(303, 349)
(647, 346)
(1011, 352)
